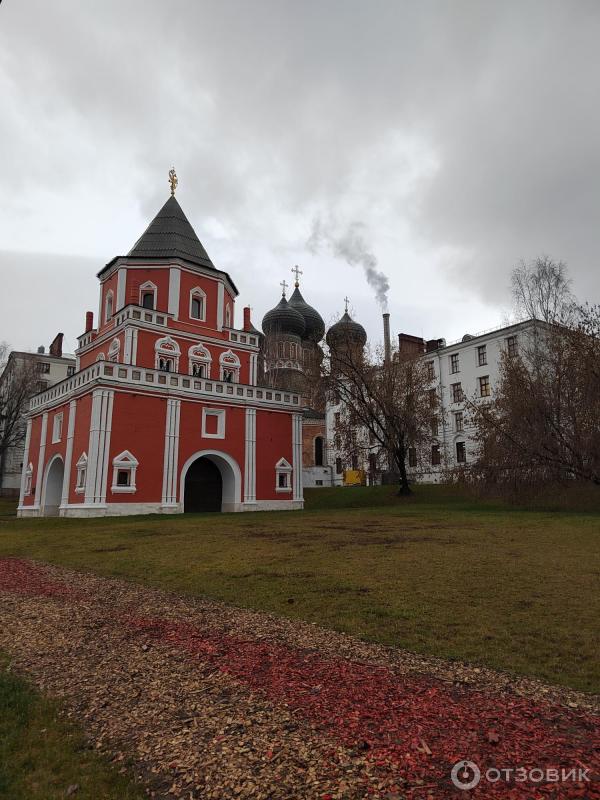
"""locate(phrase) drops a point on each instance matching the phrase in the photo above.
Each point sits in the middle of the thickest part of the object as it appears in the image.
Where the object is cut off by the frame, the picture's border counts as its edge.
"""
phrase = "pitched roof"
(170, 235)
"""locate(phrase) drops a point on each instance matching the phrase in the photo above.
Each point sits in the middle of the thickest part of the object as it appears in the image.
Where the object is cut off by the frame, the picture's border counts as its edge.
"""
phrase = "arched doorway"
(203, 487)
(53, 484)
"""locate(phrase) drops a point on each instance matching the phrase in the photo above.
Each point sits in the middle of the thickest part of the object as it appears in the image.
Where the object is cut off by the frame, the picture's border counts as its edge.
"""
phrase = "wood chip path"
(212, 701)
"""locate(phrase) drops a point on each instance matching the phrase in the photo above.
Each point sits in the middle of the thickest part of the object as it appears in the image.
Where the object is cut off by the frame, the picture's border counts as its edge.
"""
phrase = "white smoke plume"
(352, 247)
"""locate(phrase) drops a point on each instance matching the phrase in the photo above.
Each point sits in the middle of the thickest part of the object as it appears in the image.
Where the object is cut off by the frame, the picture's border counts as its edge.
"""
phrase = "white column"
(25, 462)
(121, 283)
(174, 290)
(99, 446)
(69, 454)
(297, 456)
(250, 457)
(39, 475)
(128, 345)
(220, 305)
(171, 453)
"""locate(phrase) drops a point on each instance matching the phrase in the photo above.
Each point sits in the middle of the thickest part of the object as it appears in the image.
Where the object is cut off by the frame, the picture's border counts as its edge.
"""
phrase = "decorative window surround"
(125, 462)
(219, 413)
(229, 365)
(100, 357)
(114, 350)
(167, 348)
(283, 476)
(200, 296)
(57, 425)
(81, 473)
(199, 357)
(148, 288)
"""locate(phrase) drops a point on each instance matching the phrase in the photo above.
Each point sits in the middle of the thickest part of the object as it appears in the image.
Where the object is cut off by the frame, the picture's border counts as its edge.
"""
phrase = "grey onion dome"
(346, 329)
(314, 327)
(283, 319)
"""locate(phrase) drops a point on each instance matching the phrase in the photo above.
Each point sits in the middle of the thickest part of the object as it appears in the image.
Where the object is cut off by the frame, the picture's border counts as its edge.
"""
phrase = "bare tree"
(541, 290)
(18, 383)
(387, 405)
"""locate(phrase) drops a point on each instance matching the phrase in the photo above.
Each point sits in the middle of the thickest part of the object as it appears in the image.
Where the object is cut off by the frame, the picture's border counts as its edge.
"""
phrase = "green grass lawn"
(41, 755)
(437, 574)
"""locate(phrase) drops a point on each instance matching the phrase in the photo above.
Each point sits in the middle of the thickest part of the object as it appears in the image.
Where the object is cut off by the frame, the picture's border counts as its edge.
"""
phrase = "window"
(337, 419)
(435, 427)
(148, 300)
(197, 304)
(338, 466)
(319, 451)
(44, 367)
(57, 428)
(148, 295)
(114, 350)
(484, 386)
(435, 455)
(283, 476)
(213, 423)
(457, 392)
(81, 473)
(280, 349)
(430, 371)
(454, 363)
(481, 355)
(412, 457)
(354, 461)
(124, 472)
(458, 421)
(199, 361)
(230, 367)
(28, 478)
(108, 306)
(166, 354)
(70, 371)
(292, 351)
(372, 463)
(461, 453)
(511, 346)
(432, 395)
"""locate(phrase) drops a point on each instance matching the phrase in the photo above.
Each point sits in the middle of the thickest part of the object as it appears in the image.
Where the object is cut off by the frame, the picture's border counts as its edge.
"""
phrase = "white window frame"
(100, 356)
(144, 289)
(114, 350)
(81, 473)
(199, 354)
(57, 427)
(109, 297)
(28, 478)
(219, 413)
(166, 347)
(283, 467)
(228, 360)
(124, 461)
(198, 294)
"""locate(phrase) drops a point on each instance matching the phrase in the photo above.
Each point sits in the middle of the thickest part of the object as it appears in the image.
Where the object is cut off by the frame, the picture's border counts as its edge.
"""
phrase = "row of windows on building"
(481, 357)
(147, 299)
(460, 455)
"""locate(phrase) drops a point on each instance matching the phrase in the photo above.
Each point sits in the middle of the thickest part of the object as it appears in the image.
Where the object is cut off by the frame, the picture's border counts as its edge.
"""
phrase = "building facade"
(164, 413)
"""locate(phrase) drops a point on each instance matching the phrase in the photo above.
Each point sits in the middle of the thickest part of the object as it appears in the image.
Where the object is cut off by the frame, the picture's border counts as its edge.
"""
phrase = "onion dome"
(314, 327)
(346, 329)
(283, 319)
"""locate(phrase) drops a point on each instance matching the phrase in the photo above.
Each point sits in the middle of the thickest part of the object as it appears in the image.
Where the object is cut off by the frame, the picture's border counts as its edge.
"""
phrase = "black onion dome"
(346, 329)
(283, 319)
(313, 321)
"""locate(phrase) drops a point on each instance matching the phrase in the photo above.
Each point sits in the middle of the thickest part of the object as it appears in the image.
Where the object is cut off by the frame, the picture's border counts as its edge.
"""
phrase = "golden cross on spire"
(297, 271)
(173, 180)
(284, 286)
(346, 301)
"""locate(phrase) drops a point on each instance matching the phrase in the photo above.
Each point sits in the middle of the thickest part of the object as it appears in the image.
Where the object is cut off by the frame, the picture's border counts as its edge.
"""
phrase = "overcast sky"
(432, 143)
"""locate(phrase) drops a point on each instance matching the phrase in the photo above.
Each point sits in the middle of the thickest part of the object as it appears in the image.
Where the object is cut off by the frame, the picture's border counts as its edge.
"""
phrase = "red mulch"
(396, 720)
(25, 578)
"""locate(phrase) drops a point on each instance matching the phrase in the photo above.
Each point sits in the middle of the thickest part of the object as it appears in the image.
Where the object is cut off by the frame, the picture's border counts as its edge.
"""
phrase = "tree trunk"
(404, 489)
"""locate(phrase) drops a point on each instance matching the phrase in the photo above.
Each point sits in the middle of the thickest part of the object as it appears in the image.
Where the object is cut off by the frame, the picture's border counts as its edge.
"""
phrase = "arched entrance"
(210, 481)
(53, 484)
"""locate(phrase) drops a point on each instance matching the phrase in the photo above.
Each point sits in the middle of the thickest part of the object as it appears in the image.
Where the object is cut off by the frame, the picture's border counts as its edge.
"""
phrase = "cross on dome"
(284, 286)
(297, 271)
(346, 301)
(173, 180)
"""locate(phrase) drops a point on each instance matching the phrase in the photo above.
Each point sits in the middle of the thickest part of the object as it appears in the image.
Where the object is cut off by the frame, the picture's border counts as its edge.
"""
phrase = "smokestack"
(89, 321)
(387, 344)
(247, 322)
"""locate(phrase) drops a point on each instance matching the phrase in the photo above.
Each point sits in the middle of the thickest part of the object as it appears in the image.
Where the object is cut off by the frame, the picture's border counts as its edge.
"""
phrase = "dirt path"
(212, 701)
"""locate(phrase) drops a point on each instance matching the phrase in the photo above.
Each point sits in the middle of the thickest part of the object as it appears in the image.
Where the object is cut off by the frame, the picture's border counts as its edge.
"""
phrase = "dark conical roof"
(314, 327)
(345, 329)
(283, 319)
(171, 235)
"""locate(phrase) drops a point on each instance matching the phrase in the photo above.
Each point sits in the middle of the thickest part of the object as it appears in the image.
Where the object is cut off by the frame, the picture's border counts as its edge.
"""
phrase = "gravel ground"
(212, 701)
